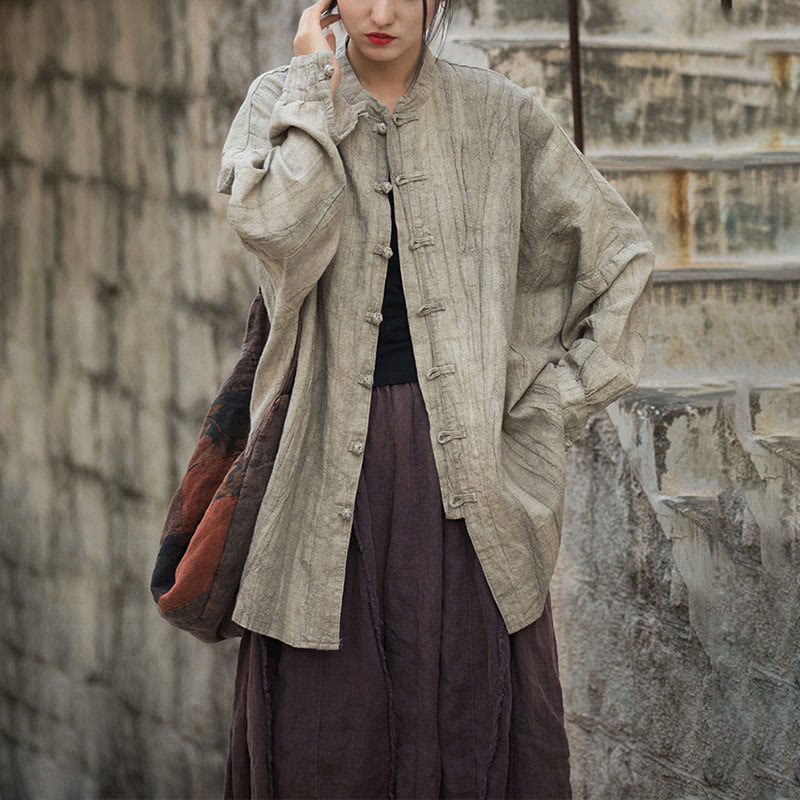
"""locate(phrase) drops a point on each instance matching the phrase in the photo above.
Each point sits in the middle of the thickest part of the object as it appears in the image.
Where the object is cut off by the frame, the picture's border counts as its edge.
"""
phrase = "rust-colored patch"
(774, 140)
(679, 210)
(781, 64)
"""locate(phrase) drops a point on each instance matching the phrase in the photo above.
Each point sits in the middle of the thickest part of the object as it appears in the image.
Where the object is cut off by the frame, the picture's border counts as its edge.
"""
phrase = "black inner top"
(394, 362)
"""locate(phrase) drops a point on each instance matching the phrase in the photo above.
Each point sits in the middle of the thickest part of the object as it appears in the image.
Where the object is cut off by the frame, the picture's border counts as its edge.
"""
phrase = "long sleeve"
(284, 174)
(574, 221)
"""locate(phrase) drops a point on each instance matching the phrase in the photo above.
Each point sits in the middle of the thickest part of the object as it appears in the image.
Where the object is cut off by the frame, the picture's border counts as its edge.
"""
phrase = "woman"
(464, 290)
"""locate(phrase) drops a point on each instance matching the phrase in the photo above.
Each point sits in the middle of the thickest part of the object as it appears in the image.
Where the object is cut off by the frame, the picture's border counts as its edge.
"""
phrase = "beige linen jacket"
(527, 280)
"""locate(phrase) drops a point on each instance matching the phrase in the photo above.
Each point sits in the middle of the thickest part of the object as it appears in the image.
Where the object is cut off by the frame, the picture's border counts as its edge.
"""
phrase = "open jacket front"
(527, 280)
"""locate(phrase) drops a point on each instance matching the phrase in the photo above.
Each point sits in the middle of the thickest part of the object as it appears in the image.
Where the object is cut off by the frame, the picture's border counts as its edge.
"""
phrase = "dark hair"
(440, 23)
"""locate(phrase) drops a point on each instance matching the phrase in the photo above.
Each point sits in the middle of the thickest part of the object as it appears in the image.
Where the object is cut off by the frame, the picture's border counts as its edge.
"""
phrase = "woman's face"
(401, 19)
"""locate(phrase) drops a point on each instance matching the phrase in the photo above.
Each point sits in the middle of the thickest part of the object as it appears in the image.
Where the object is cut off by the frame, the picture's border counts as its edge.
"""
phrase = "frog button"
(457, 500)
(329, 69)
(383, 250)
(380, 128)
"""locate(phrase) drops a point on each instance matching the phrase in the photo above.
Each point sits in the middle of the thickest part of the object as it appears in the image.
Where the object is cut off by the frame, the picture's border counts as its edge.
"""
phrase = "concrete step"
(725, 326)
(703, 510)
(773, 412)
(643, 16)
(680, 440)
(690, 440)
(721, 462)
(645, 92)
(787, 448)
(697, 203)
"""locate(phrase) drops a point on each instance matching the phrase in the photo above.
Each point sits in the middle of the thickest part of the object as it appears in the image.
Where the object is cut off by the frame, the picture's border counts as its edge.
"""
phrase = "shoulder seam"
(476, 68)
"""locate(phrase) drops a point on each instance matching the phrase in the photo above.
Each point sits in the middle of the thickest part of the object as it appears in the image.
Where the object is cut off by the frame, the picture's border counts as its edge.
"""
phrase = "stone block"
(638, 17)
(165, 758)
(27, 503)
(39, 633)
(26, 119)
(25, 48)
(148, 249)
(205, 274)
(82, 32)
(775, 410)
(638, 95)
(40, 774)
(208, 774)
(46, 687)
(150, 147)
(205, 693)
(188, 127)
(176, 63)
(119, 430)
(739, 207)
(201, 31)
(711, 330)
(121, 127)
(10, 672)
(82, 326)
(138, 28)
(197, 363)
(144, 348)
(90, 243)
(154, 445)
(66, 548)
(76, 120)
(158, 657)
(81, 611)
(90, 553)
(130, 666)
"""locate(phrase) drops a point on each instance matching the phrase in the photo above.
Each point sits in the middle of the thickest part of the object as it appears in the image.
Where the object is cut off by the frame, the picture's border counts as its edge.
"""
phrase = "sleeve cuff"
(309, 78)
(225, 180)
(573, 403)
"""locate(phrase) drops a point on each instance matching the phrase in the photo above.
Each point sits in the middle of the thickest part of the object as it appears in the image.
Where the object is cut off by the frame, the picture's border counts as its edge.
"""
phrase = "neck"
(382, 78)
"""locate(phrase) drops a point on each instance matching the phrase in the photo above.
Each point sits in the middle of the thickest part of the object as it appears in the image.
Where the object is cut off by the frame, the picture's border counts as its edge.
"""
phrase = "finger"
(315, 10)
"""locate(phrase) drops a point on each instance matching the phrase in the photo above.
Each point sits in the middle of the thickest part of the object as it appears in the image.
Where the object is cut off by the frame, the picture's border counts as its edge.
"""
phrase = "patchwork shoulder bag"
(210, 521)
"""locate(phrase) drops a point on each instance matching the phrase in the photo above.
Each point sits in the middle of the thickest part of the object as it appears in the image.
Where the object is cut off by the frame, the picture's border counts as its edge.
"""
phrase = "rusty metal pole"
(575, 65)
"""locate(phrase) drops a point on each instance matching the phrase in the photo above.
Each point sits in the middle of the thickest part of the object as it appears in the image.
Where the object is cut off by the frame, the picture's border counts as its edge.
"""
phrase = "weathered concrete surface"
(720, 327)
(712, 205)
(677, 589)
(678, 633)
(648, 93)
(123, 300)
(702, 139)
(692, 17)
(677, 593)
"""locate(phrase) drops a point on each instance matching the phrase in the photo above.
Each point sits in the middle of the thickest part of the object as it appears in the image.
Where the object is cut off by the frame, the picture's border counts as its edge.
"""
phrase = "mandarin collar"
(355, 94)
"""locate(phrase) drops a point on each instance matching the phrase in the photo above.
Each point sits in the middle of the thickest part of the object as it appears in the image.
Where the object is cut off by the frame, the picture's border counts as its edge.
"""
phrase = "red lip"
(380, 38)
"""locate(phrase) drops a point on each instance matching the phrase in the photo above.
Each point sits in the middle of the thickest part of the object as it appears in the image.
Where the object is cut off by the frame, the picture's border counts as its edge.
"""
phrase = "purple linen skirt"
(428, 695)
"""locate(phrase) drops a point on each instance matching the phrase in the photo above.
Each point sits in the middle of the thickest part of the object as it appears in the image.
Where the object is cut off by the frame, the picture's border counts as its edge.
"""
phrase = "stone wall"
(676, 592)
(690, 17)
(123, 300)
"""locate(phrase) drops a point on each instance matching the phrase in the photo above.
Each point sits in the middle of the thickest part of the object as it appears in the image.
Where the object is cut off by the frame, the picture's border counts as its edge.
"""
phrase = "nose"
(382, 12)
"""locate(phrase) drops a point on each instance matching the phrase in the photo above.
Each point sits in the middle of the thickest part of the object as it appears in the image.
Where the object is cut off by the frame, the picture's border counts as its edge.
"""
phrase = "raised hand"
(311, 36)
